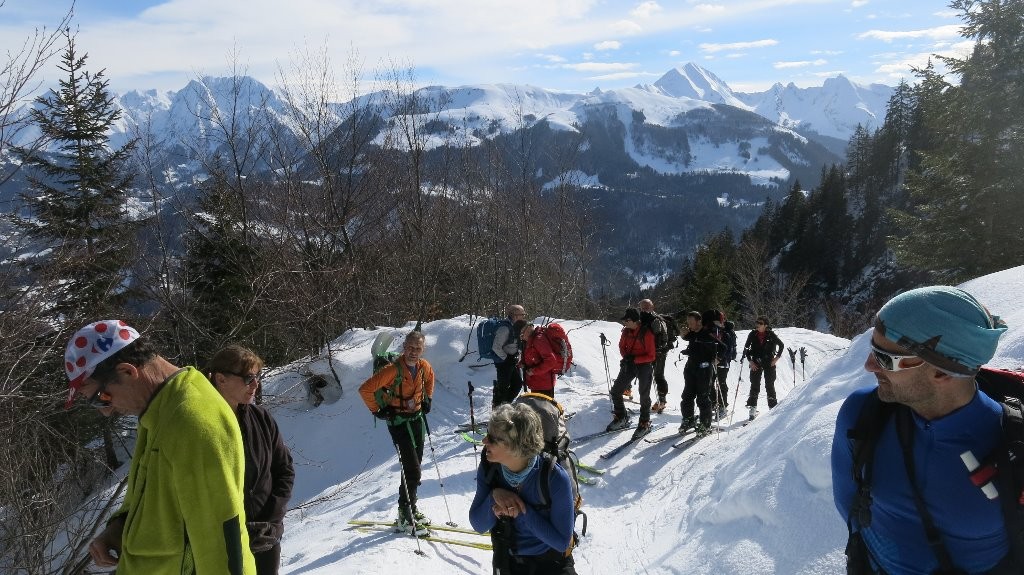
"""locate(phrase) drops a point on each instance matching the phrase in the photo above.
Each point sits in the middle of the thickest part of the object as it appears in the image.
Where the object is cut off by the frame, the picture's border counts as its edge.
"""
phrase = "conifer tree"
(966, 195)
(77, 198)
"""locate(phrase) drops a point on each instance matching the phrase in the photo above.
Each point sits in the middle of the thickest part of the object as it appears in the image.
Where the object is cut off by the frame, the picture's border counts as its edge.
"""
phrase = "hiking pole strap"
(905, 432)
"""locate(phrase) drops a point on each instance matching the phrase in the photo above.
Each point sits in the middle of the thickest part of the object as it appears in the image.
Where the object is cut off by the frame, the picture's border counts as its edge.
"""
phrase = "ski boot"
(620, 422)
(405, 525)
(753, 413)
(660, 405)
(643, 427)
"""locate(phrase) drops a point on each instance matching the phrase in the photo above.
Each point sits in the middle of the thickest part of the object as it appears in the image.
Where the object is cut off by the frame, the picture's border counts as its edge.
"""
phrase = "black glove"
(425, 404)
(385, 413)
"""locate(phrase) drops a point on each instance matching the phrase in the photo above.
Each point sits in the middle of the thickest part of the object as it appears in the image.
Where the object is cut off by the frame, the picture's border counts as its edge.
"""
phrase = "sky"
(753, 499)
(570, 45)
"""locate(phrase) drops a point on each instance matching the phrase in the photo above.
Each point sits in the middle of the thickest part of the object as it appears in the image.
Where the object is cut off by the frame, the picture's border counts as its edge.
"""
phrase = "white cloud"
(710, 8)
(645, 9)
(607, 45)
(826, 52)
(799, 64)
(623, 76)
(553, 58)
(712, 48)
(859, 3)
(600, 66)
(627, 28)
(674, 53)
(937, 33)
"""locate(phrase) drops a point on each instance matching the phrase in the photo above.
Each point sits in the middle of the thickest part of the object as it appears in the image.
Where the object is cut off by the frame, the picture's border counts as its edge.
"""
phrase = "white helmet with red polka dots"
(91, 345)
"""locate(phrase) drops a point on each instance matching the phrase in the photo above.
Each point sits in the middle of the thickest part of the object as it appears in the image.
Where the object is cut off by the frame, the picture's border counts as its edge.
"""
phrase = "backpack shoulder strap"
(871, 420)
(1009, 479)
(547, 467)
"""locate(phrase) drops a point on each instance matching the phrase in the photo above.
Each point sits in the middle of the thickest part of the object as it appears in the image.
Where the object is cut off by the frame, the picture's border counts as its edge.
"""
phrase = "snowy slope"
(755, 499)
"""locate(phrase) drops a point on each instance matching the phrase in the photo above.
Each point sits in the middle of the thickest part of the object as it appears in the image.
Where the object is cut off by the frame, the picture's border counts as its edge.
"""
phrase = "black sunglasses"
(101, 398)
(248, 378)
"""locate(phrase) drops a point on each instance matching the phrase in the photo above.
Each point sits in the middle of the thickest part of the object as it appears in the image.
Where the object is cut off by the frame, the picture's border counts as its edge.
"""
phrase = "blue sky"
(572, 45)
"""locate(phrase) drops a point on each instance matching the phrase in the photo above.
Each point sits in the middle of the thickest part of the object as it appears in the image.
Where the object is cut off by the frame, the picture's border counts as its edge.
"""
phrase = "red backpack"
(559, 341)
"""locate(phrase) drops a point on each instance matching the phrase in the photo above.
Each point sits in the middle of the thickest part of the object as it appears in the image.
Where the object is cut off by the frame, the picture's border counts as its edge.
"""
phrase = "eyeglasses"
(101, 398)
(890, 361)
(492, 438)
(248, 378)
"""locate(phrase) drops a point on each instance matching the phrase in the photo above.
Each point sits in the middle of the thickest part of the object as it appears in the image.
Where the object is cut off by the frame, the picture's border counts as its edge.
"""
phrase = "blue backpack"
(485, 336)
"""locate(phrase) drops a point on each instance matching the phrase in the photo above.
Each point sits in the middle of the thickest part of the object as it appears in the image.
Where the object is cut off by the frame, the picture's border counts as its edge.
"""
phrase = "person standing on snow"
(269, 475)
(701, 355)
(400, 394)
(636, 346)
(509, 380)
(183, 510)
(762, 350)
(540, 362)
(926, 348)
(533, 532)
(663, 344)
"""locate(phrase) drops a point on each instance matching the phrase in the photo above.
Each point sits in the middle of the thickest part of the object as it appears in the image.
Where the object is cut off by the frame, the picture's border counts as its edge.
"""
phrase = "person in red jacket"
(636, 346)
(540, 362)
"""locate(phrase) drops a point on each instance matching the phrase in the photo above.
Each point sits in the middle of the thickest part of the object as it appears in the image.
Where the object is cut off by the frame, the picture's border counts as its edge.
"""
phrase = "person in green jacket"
(183, 507)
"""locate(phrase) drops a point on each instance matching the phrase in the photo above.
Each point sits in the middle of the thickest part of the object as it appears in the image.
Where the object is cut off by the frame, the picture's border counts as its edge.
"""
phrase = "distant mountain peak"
(693, 81)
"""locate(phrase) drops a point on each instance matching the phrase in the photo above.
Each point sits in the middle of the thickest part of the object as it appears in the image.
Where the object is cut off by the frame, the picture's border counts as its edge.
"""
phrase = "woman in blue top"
(508, 498)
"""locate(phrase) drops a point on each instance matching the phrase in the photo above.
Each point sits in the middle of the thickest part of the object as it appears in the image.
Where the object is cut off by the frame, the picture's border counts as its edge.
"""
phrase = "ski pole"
(736, 396)
(472, 324)
(718, 397)
(472, 416)
(440, 480)
(408, 502)
(607, 371)
(792, 359)
(803, 362)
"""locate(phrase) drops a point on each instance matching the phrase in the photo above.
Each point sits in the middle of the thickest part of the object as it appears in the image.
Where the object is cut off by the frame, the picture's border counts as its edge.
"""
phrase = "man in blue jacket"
(926, 348)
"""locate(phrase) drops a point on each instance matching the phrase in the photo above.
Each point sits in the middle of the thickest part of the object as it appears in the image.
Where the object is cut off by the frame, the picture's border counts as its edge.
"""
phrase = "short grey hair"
(520, 427)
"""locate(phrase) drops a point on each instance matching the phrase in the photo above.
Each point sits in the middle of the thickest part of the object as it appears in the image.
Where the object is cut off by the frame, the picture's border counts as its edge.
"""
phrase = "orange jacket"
(407, 396)
(638, 343)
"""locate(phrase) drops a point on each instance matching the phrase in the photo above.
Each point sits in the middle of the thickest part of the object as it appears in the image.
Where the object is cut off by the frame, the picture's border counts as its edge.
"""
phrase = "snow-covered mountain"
(833, 109)
(692, 81)
(750, 500)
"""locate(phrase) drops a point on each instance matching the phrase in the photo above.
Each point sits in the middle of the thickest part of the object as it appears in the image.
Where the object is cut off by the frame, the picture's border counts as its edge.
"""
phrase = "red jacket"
(540, 362)
(638, 343)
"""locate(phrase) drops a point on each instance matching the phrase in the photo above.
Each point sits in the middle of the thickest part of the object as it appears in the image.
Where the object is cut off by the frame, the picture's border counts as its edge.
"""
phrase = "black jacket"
(763, 354)
(268, 476)
(703, 348)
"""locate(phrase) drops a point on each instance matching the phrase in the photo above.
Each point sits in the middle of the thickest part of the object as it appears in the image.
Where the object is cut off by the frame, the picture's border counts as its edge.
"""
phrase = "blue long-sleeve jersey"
(538, 530)
(972, 525)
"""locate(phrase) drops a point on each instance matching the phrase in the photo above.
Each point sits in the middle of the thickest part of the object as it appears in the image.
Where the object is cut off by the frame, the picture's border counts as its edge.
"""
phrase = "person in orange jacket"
(540, 363)
(637, 348)
(400, 394)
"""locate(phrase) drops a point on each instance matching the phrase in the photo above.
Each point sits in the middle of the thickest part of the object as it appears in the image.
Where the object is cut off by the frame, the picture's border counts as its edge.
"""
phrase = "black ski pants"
(408, 436)
(627, 371)
(722, 373)
(769, 386)
(509, 381)
(551, 563)
(697, 387)
(268, 562)
(659, 374)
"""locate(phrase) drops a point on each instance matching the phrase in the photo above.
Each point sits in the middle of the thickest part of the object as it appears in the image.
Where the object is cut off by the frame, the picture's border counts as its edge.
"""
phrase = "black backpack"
(1004, 467)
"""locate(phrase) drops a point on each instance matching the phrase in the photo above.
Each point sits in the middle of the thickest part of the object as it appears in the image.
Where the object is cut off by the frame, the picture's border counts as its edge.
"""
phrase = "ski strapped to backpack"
(999, 474)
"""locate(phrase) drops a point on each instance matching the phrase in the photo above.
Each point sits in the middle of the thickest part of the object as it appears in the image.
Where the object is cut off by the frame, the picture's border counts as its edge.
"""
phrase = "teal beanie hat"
(942, 325)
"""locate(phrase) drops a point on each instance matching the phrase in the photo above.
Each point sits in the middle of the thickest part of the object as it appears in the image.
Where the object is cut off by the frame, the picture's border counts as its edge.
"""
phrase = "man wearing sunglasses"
(183, 507)
(911, 506)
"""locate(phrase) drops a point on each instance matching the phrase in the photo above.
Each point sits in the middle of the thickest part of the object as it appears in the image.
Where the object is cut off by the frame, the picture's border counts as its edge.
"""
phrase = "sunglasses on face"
(101, 398)
(248, 378)
(493, 438)
(890, 361)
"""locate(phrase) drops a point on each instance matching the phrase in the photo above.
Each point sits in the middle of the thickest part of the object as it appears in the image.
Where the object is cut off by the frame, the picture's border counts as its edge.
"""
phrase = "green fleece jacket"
(183, 506)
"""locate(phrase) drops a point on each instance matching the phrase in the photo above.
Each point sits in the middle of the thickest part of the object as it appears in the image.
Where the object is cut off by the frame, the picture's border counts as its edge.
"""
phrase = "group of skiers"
(644, 344)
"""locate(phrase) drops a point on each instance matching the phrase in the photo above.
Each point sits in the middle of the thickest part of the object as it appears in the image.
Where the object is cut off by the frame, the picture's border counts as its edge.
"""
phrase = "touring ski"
(432, 539)
(469, 438)
(588, 437)
(469, 426)
(689, 441)
(632, 441)
(671, 436)
(592, 470)
(392, 524)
